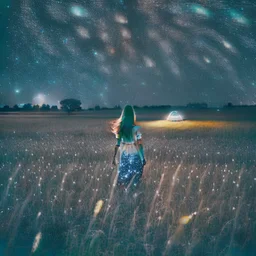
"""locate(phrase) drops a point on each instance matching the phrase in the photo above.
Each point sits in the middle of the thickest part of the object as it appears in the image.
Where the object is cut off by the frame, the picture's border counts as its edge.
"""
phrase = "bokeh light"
(79, 11)
(198, 9)
(39, 99)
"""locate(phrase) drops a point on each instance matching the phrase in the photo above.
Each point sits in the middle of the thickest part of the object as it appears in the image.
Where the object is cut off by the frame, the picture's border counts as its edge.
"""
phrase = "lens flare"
(207, 60)
(119, 18)
(79, 11)
(238, 17)
(36, 242)
(186, 219)
(97, 208)
(83, 32)
(39, 99)
(200, 10)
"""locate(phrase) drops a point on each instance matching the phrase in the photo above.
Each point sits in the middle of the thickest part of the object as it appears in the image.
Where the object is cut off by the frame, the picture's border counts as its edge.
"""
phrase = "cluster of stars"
(85, 46)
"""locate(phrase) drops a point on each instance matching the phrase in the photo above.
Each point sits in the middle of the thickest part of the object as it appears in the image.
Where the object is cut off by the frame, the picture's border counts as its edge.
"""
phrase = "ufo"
(175, 116)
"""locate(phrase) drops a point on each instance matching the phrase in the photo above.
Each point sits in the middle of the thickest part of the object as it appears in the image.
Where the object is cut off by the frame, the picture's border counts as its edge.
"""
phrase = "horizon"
(135, 106)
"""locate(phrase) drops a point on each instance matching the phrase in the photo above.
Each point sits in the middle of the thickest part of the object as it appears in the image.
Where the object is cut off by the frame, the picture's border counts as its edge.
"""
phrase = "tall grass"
(54, 171)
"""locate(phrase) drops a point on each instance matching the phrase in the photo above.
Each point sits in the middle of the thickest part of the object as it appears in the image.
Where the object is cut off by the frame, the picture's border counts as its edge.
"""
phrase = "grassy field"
(55, 168)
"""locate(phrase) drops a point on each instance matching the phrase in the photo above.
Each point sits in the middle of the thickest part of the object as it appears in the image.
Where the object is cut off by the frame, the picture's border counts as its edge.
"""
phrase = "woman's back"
(128, 137)
(129, 134)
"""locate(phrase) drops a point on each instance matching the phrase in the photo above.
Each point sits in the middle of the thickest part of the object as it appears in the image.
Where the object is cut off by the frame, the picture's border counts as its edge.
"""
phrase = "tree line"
(71, 105)
(68, 105)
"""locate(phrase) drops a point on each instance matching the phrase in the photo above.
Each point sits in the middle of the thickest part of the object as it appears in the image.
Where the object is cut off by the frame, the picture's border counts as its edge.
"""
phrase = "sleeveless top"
(136, 135)
(130, 147)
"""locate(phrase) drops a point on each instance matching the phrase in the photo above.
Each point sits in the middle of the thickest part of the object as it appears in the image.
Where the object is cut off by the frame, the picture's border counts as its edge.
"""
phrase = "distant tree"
(16, 107)
(117, 107)
(45, 107)
(97, 107)
(204, 105)
(197, 105)
(71, 105)
(36, 107)
(54, 108)
(6, 108)
(27, 107)
(230, 105)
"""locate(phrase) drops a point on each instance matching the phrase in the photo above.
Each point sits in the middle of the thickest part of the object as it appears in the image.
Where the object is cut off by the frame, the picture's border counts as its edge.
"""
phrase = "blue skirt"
(130, 169)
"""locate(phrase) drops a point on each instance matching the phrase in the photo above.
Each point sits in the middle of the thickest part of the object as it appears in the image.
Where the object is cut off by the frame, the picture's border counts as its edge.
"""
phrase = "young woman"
(129, 140)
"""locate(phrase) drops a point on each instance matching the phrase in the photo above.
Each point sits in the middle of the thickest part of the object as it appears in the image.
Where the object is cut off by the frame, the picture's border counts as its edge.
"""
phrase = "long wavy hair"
(124, 124)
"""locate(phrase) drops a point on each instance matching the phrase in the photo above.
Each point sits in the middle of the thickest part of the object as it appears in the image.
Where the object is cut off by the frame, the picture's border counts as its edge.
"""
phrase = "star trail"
(137, 52)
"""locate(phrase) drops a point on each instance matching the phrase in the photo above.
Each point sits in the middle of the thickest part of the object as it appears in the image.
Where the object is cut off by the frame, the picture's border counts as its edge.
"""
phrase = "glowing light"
(207, 60)
(98, 55)
(174, 116)
(193, 125)
(36, 242)
(17, 91)
(227, 45)
(125, 33)
(238, 17)
(121, 19)
(83, 32)
(79, 11)
(39, 99)
(98, 207)
(111, 50)
(186, 219)
(38, 215)
(149, 62)
(104, 36)
(198, 9)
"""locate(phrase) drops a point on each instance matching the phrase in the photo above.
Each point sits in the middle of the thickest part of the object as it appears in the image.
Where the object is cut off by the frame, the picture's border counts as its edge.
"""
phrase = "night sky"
(142, 52)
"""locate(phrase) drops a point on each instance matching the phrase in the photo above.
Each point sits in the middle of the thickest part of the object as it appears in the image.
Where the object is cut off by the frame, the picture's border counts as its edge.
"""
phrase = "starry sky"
(141, 52)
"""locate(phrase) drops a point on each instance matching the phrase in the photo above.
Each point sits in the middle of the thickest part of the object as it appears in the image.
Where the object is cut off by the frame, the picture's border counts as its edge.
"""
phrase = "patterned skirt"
(130, 168)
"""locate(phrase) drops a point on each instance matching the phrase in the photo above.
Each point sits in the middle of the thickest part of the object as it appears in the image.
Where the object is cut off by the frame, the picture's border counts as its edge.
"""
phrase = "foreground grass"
(54, 171)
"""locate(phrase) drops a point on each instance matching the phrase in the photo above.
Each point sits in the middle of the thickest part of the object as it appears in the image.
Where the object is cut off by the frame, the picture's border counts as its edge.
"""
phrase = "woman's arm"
(138, 139)
(114, 158)
(141, 151)
(118, 141)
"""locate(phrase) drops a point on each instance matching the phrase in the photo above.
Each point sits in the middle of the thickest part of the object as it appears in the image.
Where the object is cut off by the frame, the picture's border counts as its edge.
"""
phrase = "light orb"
(83, 32)
(207, 60)
(79, 11)
(227, 45)
(39, 99)
(119, 18)
(238, 17)
(198, 9)
(149, 62)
